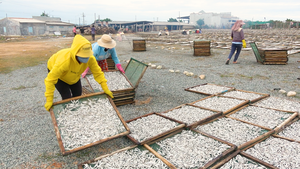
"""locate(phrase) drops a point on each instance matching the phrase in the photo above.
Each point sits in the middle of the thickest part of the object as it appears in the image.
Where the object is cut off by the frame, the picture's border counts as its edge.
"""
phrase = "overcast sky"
(149, 10)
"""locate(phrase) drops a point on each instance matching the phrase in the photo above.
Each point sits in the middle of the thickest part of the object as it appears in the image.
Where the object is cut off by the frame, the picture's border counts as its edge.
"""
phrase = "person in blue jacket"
(102, 49)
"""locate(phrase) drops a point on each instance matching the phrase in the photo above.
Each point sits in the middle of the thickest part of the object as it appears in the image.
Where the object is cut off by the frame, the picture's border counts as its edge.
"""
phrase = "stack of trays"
(122, 85)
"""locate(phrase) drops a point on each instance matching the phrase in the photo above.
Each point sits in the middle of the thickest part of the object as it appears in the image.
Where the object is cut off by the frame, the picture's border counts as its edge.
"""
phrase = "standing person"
(65, 68)
(102, 49)
(74, 30)
(238, 41)
(93, 31)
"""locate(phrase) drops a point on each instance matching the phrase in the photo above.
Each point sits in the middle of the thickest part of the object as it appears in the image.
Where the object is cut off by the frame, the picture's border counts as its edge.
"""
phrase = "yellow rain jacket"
(64, 66)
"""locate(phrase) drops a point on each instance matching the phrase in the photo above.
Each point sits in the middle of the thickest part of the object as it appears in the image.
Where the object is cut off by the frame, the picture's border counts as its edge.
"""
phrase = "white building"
(215, 20)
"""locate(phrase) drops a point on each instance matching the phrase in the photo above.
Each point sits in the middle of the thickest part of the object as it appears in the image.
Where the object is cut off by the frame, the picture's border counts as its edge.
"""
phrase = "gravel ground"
(27, 137)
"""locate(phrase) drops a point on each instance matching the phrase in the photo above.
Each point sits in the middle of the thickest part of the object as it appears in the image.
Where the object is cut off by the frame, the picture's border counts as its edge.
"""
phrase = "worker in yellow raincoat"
(65, 68)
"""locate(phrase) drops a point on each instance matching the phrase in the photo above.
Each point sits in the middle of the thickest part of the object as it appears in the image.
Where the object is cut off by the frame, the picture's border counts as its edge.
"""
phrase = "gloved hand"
(49, 102)
(85, 72)
(106, 90)
(244, 43)
(119, 66)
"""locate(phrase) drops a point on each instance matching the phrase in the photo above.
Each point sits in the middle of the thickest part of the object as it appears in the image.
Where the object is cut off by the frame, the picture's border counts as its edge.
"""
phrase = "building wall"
(9, 27)
(222, 20)
(32, 28)
(63, 29)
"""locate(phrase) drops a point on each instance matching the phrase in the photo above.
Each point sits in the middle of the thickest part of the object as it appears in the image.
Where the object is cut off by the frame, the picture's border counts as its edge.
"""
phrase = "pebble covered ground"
(27, 136)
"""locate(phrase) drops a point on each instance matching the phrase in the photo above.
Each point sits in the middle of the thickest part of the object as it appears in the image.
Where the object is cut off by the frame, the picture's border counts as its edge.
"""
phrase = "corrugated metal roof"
(26, 20)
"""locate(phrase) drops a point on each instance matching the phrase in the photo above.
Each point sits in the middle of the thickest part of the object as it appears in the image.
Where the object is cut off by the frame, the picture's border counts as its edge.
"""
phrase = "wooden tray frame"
(194, 124)
(287, 123)
(263, 95)
(284, 123)
(58, 135)
(80, 166)
(213, 161)
(224, 112)
(121, 97)
(238, 152)
(254, 104)
(274, 135)
(249, 143)
(190, 89)
(179, 127)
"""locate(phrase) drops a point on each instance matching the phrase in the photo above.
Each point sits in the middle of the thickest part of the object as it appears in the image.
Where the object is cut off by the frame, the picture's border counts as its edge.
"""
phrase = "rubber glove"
(85, 72)
(120, 67)
(49, 102)
(244, 43)
(106, 90)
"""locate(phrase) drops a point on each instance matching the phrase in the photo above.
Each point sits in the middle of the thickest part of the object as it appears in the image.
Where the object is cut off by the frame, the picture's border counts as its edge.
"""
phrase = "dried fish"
(262, 116)
(189, 114)
(150, 126)
(115, 81)
(129, 159)
(278, 152)
(87, 122)
(233, 131)
(190, 149)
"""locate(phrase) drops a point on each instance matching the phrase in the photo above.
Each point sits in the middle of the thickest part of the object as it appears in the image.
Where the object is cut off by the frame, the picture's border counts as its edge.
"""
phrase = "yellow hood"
(64, 66)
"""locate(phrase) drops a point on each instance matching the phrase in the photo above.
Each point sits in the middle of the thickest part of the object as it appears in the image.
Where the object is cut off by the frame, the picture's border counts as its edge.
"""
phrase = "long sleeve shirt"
(237, 36)
(100, 54)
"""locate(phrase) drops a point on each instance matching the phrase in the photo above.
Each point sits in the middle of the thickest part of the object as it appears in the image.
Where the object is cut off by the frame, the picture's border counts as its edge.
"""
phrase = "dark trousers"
(93, 36)
(67, 91)
(237, 48)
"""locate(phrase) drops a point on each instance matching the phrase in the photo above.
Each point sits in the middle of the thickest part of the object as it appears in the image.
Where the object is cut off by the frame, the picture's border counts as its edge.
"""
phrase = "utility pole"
(179, 21)
(83, 18)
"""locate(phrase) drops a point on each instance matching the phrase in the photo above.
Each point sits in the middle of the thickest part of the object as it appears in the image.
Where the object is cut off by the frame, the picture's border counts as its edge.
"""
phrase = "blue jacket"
(100, 54)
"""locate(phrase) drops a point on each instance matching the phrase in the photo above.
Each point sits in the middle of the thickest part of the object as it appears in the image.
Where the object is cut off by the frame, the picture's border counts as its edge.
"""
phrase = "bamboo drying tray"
(293, 115)
(263, 95)
(250, 143)
(190, 89)
(121, 97)
(279, 154)
(245, 155)
(180, 126)
(284, 126)
(59, 105)
(154, 147)
(197, 121)
(244, 102)
(89, 162)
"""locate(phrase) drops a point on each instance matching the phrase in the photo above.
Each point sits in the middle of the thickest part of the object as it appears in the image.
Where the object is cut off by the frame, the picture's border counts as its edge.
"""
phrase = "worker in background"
(65, 68)
(159, 33)
(167, 33)
(238, 41)
(93, 32)
(102, 49)
(74, 30)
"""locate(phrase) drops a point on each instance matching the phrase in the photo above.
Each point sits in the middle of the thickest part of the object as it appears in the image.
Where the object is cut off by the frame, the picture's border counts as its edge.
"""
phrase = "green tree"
(44, 14)
(106, 20)
(172, 20)
(200, 22)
